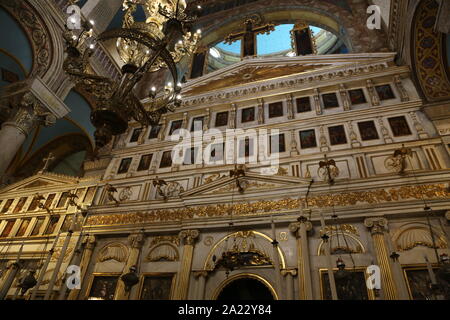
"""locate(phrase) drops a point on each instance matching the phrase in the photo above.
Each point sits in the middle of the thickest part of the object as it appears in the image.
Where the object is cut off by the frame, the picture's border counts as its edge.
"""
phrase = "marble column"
(289, 274)
(300, 230)
(33, 104)
(201, 277)
(88, 248)
(189, 238)
(378, 227)
(135, 241)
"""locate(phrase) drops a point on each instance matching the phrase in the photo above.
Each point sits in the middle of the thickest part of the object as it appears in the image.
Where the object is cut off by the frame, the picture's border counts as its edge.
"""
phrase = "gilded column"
(135, 241)
(188, 237)
(289, 274)
(201, 277)
(89, 245)
(377, 227)
(300, 230)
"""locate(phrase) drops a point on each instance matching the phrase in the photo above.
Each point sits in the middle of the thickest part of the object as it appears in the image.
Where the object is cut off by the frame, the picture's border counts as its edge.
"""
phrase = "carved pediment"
(41, 182)
(251, 182)
(252, 71)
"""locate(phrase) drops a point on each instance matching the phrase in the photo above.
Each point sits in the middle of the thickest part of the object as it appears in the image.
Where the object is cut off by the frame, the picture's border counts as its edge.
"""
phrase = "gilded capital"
(295, 227)
(136, 240)
(89, 242)
(376, 225)
(189, 236)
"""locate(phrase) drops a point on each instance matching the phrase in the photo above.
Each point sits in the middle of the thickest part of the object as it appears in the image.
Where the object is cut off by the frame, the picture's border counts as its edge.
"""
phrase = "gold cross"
(47, 161)
(248, 36)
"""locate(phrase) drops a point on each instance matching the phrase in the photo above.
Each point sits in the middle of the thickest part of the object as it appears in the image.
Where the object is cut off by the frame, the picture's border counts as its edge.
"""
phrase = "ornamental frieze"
(435, 191)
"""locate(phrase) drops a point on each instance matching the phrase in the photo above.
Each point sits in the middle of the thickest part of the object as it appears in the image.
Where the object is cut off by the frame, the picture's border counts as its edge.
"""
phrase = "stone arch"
(231, 279)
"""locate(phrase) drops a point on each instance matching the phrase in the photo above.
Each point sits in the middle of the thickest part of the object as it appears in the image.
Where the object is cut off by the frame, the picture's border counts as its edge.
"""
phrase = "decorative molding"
(326, 200)
(376, 225)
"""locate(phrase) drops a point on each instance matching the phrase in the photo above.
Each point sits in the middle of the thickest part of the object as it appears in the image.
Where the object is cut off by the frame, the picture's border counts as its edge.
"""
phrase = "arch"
(228, 281)
(427, 52)
(264, 247)
(352, 244)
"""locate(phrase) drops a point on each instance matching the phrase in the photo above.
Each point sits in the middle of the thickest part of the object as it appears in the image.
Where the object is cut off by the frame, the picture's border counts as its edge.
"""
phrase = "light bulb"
(179, 97)
(199, 31)
(92, 46)
(179, 84)
(169, 84)
(74, 37)
(92, 22)
(153, 89)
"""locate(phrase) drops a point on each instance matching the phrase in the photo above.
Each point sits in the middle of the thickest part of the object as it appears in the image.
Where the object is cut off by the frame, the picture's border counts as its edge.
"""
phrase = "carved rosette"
(376, 225)
(189, 237)
(447, 215)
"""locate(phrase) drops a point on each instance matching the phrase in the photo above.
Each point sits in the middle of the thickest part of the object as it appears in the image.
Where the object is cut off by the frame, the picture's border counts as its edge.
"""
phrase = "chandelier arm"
(131, 34)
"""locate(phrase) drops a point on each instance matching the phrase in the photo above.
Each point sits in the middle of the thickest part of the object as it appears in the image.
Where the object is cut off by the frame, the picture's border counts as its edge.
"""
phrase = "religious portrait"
(103, 287)
(135, 135)
(399, 126)
(351, 286)
(7, 229)
(276, 110)
(337, 135)
(246, 147)
(89, 195)
(217, 152)
(175, 126)
(23, 227)
(20, 204)
(248, 115)
(63, 200)
(385, 92)
(190, 156)
(7, 205)
(52, 225)
(419, 283)
(124, 165)
(157, 287)
(303, 104)
(222, 119)
(367, 130)
(166, 160)
(144, 164)
(357, 96)
(197, 124)
(198, 64)
(308, 139)
(277, 143)
(154, 131)
(330, 100)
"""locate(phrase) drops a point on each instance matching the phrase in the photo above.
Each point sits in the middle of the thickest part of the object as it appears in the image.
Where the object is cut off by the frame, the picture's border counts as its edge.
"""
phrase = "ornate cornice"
(326, 200)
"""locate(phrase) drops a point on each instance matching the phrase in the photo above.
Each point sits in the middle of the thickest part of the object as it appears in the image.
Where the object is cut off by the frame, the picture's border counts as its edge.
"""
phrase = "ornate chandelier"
(159, 42)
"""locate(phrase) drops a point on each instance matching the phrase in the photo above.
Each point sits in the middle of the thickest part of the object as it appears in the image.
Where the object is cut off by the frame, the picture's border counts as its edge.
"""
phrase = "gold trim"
(370, 293)
(150, 274)
(243, 276)
(280, 253)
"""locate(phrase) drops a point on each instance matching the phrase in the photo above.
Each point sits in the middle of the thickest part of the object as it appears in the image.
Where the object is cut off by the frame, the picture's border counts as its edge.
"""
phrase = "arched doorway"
(246, 287)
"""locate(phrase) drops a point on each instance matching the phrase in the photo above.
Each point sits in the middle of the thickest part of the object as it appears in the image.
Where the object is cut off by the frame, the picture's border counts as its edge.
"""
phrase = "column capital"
(201, 273)
(189, 236)
(294, 227)
(89, 242)
(292, 271)
(136, 240)
(376, 224)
